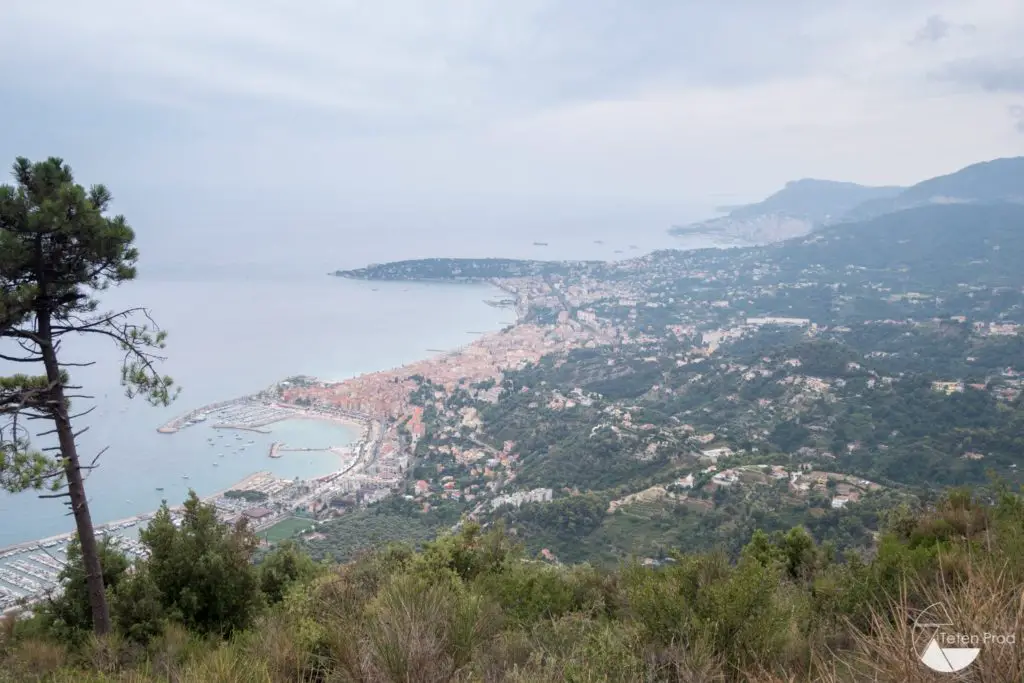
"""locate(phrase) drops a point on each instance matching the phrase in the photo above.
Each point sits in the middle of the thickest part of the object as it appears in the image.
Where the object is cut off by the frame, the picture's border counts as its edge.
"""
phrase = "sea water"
(229, 338)
(246, 310)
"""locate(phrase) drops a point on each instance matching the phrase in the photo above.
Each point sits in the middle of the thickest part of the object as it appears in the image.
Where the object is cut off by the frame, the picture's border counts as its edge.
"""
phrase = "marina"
(200, 415)
(252, 414)
(246, 413)
(31, 570)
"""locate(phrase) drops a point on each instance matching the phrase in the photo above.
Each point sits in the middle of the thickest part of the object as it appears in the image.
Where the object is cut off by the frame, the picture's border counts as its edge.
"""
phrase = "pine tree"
(58, 249)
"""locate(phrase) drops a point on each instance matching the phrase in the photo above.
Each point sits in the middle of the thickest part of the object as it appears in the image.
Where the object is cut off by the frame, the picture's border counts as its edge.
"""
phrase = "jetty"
(277, 448)
(308, 449)
(244, 428)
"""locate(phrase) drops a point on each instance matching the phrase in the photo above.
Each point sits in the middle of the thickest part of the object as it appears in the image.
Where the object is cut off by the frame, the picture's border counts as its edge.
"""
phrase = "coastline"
(110, 527)
(350, 423)
(364, 427)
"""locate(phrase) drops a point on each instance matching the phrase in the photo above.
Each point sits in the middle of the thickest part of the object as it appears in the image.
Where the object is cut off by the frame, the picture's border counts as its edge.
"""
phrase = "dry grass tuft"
(983, 600)
(33, 660)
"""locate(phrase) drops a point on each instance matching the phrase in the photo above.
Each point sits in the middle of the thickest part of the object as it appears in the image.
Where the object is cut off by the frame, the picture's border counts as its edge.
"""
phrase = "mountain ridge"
(805, 205)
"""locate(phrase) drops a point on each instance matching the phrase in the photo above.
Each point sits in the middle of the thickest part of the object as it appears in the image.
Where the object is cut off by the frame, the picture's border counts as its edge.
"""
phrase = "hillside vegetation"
(988, 181)
(471, 607)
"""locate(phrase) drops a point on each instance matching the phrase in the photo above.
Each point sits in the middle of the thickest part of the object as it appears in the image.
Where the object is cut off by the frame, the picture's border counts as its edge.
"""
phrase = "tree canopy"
(58, 249)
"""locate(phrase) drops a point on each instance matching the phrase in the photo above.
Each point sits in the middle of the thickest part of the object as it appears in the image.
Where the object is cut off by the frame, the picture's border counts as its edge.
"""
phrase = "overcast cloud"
(450, 101)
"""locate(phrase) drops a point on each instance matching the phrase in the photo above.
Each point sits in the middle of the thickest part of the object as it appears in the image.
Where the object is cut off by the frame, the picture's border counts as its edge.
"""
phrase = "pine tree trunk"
(76, 486)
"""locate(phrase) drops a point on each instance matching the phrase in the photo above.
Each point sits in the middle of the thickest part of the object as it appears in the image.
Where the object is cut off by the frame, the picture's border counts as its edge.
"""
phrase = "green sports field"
(286, 528)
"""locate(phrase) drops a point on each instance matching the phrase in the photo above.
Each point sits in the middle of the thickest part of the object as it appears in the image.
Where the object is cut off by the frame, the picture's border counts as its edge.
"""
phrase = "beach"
(343, 421)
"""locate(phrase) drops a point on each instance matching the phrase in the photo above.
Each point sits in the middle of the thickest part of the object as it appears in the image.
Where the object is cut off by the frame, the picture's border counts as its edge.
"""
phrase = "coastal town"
(679, 334)
(648, 310)
(372, 468)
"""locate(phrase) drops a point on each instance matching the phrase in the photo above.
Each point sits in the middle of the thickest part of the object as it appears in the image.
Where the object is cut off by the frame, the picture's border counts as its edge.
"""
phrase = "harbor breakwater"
(246, 428)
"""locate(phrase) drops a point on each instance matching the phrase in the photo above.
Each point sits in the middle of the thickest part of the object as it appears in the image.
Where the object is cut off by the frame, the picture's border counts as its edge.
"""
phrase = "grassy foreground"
(470, 607)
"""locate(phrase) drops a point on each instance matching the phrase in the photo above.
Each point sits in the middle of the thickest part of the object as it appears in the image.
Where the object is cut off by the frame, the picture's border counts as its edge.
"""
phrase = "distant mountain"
(815, 200)
(805, 205)
(1000, 180)
(968, 243)
(794, 210)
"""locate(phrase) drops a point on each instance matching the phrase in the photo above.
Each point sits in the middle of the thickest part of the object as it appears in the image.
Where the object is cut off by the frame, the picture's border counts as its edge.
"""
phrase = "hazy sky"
(327, 102)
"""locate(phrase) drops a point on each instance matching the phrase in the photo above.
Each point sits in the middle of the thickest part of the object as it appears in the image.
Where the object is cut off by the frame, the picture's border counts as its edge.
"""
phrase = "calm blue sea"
(246, 305)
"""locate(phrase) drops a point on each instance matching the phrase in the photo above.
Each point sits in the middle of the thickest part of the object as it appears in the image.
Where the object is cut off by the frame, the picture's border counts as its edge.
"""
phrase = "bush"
(470, 607)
